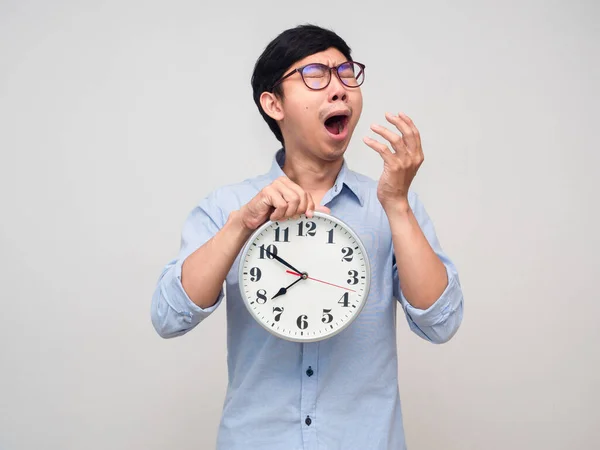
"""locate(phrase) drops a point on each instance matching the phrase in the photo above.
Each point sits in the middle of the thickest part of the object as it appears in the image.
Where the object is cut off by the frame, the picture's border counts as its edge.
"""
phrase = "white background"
(116, 118)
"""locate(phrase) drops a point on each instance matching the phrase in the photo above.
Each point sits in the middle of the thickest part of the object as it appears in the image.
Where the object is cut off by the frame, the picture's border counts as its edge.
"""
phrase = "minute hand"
(285, 263)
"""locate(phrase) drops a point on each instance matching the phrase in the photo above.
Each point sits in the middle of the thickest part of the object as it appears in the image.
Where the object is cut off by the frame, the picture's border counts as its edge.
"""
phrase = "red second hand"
(325, 282)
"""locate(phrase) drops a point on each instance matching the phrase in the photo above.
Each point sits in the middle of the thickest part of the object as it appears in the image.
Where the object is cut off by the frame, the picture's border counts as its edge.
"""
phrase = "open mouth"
(337, 124)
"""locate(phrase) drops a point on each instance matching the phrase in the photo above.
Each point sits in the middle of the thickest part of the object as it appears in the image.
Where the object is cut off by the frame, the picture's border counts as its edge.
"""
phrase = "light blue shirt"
(340, 393)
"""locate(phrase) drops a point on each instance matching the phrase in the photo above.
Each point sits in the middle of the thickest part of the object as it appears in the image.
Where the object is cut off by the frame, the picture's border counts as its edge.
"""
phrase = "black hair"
(290, 46)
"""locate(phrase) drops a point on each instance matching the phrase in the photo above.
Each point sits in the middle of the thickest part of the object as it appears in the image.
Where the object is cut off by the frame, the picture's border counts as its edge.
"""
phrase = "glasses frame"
(331, 69)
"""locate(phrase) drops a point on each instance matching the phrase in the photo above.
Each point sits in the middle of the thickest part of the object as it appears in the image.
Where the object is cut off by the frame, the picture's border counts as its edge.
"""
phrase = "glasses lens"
(351, 74)
(316, 76)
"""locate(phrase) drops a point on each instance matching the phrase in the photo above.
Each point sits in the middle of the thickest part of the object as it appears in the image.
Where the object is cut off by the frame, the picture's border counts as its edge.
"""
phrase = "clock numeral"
(268, 252)
(327, 318)
(286, 234)
(348, 252)
(309, 231)
(261, 296)
(302, 322)
(330, 236)
(255, 274)
(344, 300)
(354, 277)
(278, 311)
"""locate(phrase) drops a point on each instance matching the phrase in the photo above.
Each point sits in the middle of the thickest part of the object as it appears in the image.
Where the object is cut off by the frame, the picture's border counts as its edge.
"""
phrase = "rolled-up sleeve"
(440, 322)
(172, 311)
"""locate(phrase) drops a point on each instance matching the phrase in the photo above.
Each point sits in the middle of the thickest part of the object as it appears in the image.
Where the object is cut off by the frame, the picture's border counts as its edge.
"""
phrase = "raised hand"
(400, 165)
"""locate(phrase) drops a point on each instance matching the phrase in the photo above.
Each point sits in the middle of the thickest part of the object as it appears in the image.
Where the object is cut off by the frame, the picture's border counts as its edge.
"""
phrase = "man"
(342, 392)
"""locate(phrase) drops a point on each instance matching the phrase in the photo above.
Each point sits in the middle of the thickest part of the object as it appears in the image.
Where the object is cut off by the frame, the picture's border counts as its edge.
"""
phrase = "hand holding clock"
(279, 200)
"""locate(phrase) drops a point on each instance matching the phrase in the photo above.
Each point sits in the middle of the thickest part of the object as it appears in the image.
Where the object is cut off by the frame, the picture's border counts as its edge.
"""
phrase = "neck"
(315, 176)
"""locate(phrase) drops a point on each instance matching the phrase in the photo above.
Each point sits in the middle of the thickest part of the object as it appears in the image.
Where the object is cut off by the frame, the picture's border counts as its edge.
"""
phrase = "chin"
(333, 152)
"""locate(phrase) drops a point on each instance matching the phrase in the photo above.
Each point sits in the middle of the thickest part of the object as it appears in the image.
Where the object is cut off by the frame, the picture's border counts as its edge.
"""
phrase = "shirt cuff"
(448, 303)
(181, 302)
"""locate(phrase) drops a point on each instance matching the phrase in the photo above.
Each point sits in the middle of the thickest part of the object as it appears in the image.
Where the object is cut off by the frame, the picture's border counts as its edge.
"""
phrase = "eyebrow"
(328, 63)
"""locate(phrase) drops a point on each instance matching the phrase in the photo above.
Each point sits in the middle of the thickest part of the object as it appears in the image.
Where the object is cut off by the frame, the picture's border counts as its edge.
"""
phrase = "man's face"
(319, 122)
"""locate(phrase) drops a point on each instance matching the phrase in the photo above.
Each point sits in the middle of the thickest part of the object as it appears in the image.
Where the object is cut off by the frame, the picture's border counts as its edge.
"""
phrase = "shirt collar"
(346, 177)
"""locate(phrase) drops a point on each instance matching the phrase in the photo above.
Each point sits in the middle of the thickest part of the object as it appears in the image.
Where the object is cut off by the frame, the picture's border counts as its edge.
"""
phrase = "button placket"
(309, 394)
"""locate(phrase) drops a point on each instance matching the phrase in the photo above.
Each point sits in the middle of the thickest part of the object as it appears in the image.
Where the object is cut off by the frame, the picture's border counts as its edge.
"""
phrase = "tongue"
(335, 125)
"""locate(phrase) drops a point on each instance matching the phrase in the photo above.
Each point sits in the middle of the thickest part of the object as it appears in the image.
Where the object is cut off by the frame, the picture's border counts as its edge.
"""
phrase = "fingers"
(280, 200)
(274, 199)
(394, 139)
(410, 134)
(414, 129)
(310, 209)
(313, 207)
(283, 198)
(380, 148)
(290, 200)
(406, 145)
(305, 204)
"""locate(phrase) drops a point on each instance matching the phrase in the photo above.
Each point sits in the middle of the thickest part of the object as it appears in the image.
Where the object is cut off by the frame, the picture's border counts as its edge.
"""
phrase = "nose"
(337, 90)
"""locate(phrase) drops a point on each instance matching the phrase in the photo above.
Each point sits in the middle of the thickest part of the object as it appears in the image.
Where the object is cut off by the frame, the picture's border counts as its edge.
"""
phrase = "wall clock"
(304, 279)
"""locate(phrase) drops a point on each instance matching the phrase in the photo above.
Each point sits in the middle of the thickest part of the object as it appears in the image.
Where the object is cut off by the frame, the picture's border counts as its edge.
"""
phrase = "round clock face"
(304, 279)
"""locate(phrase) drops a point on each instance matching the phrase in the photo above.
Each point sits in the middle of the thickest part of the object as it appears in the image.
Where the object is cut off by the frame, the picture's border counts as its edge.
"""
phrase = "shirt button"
(309, 372)
(308, 421)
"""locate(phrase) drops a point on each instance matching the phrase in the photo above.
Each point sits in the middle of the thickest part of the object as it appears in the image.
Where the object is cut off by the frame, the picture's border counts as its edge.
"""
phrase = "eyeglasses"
(317, 76)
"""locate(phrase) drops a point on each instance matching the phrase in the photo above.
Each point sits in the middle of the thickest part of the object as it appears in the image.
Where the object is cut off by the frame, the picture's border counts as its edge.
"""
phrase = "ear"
(272, 105)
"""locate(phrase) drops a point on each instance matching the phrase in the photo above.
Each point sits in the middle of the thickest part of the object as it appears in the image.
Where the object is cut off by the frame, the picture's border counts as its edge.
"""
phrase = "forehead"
(331, 57)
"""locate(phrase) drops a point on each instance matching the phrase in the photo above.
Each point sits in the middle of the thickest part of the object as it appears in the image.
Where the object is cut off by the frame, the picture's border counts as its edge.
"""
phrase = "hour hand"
(283, 290)
(285, 263)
